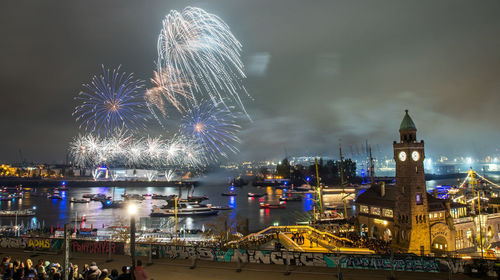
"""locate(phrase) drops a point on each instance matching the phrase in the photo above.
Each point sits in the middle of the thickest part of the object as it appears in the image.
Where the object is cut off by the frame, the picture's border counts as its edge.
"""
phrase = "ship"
(184, 209)
(18, 213)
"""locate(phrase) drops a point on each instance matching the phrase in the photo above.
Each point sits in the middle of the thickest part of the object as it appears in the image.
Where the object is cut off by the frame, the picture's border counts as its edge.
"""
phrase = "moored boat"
(256, 194)
(290, 198)
(108, 203)
(221, 208)
(281, 205)
(18, 213)
(229, 194)
(74, 200)
(184, 209)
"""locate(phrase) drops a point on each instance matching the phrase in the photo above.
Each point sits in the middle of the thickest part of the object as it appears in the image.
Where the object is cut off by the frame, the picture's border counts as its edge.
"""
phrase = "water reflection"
(308, 202)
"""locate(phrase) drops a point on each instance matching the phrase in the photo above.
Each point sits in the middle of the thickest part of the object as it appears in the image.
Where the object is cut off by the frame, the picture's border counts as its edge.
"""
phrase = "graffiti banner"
(97, 247)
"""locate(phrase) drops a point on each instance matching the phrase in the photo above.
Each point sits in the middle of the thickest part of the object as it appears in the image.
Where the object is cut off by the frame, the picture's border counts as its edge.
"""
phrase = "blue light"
(108, 202)
(232, 202)
(308, 179)
(34, 207)
(286, 183)
(63, 183)
(231, 188)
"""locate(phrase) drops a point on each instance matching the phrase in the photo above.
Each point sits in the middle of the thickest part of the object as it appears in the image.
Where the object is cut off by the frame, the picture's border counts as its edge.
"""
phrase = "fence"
(378, 262)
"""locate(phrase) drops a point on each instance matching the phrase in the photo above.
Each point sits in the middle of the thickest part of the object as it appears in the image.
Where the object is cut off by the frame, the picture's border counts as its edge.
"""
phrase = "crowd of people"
(46, 270)
(378, 245)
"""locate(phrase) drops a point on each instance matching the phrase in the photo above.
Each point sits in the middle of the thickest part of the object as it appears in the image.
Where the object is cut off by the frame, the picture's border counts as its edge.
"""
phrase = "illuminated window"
(364, 209)
(376, 211)
(418, 199)
(388, 213)
(435, 215)
(430, 216)
(440, 214)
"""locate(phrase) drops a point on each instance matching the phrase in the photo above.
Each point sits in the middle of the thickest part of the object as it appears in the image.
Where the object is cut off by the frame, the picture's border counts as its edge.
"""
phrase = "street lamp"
(132, 211)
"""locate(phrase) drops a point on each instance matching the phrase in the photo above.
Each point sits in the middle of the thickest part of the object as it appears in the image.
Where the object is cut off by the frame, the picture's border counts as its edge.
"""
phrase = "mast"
(342, 178)
(341, 165)
(320, 195)
(372, 171)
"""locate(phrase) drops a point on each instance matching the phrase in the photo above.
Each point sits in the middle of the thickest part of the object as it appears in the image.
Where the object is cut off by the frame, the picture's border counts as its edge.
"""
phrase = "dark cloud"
(318, 71)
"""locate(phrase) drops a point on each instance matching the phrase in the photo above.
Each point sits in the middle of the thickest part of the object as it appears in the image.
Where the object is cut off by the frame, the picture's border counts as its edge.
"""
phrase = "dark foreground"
(180, 269)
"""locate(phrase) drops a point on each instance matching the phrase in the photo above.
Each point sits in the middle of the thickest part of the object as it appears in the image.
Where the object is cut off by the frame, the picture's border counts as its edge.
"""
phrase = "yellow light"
(379, 221)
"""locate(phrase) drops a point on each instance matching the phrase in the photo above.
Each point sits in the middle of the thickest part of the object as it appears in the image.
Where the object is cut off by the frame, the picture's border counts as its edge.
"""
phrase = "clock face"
(415, 155)
(402, 156)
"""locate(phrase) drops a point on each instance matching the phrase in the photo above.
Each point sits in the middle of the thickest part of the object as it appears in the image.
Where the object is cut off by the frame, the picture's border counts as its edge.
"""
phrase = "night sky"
(317, 70)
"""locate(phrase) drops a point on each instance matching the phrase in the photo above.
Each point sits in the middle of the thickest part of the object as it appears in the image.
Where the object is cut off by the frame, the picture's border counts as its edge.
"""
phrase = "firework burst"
(111, 100)
(214, 127)
(167, 89)
(121, 149)
(197, 47)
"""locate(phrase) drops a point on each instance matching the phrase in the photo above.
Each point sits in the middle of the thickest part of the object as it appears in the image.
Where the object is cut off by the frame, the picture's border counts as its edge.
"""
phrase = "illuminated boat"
(281, 205)
(229, 194)
(221, 208)
(74, 200)
(256, 194)
(18, 213)
(184, 209)
(290, 198)
(108, 203)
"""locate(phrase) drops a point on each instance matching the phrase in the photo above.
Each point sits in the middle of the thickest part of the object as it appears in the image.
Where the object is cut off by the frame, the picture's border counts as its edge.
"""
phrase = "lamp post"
(132, 211)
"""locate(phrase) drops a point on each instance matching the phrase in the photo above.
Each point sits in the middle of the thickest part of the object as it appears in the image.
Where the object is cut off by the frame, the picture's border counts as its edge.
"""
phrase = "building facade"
(412, 219)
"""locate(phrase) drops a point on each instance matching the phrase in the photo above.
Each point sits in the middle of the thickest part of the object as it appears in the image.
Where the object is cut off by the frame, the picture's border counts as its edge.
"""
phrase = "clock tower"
(411, 213)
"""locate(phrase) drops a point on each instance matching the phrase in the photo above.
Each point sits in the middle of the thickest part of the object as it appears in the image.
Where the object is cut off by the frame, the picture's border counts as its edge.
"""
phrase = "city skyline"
(323, 72)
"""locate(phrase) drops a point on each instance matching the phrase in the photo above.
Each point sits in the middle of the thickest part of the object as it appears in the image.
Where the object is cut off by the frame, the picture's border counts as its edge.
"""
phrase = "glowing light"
(132, 209)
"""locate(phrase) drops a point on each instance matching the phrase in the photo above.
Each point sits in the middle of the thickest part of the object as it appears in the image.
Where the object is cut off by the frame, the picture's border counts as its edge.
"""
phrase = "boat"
(108, 203)
(196, 199)
(221, 208)
(88, 195)
(147, 194)
(128, 196)
(291, 198)
(74, 200)
(229, 194)
(99, 197)
(281, 205)
(161, 196)
(184, 209)
(256, 194)
(54, 195)
(18, 213)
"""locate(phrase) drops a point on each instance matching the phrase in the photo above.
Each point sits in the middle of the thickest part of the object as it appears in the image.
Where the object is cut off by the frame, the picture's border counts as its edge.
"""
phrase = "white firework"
(197, 50)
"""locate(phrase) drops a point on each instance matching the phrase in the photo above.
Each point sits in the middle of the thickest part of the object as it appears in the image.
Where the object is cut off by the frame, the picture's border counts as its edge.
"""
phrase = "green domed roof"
(407, 123)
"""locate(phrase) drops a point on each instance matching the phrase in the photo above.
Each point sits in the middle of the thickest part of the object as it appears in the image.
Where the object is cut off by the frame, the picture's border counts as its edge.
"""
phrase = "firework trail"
(112, 100)
(197, 48)
(166, 89)
(214, 127)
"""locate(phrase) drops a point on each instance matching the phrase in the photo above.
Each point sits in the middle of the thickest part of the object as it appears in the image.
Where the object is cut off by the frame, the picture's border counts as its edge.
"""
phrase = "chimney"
(382, 189)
